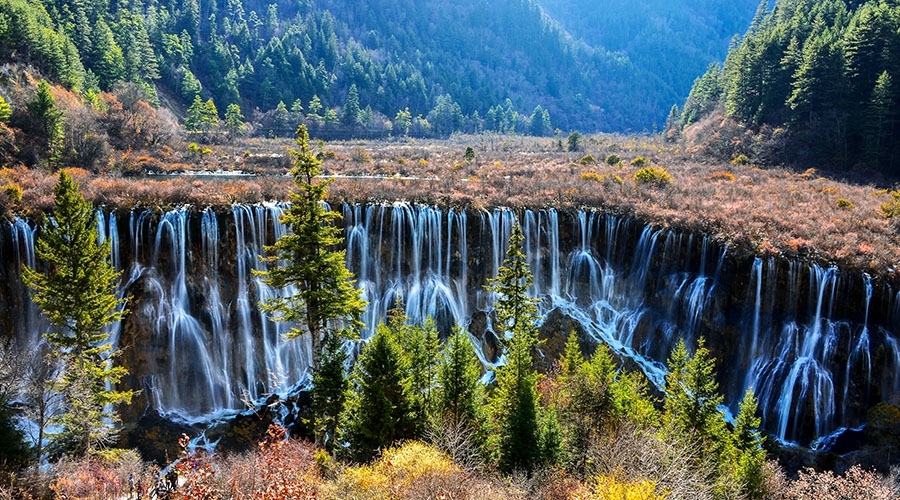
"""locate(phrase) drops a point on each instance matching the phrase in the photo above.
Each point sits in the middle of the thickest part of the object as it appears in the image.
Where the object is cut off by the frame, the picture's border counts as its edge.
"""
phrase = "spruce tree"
(419, 345)
(378, 410)
(351, 112)
(692, 397)
(48, 119)
(329, 390)
(584, 399)
(77, 293)
(878, 121)
(748, 456)
(460, 393)
(234, 120)
(516, 311)
(515, 404)
(326, 303)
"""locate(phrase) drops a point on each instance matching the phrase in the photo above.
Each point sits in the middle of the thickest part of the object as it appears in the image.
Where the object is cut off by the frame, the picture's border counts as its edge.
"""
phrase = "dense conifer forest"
(811, 84)
(462, 66)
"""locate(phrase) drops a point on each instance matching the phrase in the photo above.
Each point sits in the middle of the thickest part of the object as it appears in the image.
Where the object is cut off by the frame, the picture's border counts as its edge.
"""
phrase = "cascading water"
(818, 347)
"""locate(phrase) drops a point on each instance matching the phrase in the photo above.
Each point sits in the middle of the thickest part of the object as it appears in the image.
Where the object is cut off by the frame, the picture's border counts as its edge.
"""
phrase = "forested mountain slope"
(480, 65)
(812, 82)
(675, 40)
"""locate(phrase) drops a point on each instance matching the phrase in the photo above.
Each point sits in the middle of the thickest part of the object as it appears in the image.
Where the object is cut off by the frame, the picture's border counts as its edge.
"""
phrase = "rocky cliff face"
(817, 345)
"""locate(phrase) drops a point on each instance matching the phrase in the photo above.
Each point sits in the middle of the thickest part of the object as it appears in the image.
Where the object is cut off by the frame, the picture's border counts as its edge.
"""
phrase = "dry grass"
(756, 210)
(631, 465)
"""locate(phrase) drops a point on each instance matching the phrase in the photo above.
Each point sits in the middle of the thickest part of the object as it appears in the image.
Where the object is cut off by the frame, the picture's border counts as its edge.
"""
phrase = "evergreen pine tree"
(748, 457)
(351, 112)
(583, 397)
(515, 403)
(234, 120)
(326, 303)
(418, 346)
(329, 393)
(516, 311)
(378, 410)
(460, 393)
(77, 293)
(878, 122)
(48, 119)
(692, 398)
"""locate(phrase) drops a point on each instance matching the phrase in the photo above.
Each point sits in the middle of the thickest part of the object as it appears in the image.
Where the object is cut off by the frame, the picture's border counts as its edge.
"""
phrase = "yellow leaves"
(411, 465)
(611, 488)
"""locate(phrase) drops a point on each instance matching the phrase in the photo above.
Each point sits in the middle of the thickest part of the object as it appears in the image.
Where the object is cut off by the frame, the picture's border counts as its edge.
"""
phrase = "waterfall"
(818, 347)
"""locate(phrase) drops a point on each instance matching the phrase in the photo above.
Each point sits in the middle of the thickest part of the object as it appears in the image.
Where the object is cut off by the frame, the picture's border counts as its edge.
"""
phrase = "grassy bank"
(769, 211)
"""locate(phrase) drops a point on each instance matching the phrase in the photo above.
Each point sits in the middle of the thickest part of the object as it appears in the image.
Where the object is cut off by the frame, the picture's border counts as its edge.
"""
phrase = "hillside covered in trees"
(675, 40)
(459, 65)
(810, 83)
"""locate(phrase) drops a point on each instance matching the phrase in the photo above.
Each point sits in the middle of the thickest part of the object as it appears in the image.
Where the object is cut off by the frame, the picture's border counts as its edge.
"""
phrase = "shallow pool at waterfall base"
(842, 441)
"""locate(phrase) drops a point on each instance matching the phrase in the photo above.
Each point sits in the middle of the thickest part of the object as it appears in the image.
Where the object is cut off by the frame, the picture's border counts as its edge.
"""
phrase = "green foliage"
(654, 176)
(516, 311)
(190, 86)
(692, 416)
(593, 399)
(48, 120)
(613, 160)
(418, 346)
(234, 120)
(879, 122)
(638, 161)
(29, 30)
(587, 160)
(746, 453)
(14, 450)
(350, 114)
(574, 141)
(460, 394)
(326, 303)
(821, 70)
(584, 401)
(305, 258)
(704, 96)
(469, 155)
(378, 410)
(539, 124)
(692, 398)
(515, 404)
(446, 117)
(201, 116)
(330, 386)
(403, 120)
(77, 293)
(515, 408)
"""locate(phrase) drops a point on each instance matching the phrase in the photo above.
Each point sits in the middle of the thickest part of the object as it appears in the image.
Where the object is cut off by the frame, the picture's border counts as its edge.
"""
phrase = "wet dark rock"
(156, 437)
(555, 331)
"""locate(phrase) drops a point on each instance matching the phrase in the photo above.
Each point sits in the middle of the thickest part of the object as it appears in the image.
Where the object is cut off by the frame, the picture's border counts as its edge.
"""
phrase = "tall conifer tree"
(326, 303)
(515, 404)
(77, 293)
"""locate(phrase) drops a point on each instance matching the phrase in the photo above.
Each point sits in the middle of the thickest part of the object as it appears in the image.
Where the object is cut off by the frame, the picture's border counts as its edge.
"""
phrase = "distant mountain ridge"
(675, 40)
(464, 65)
